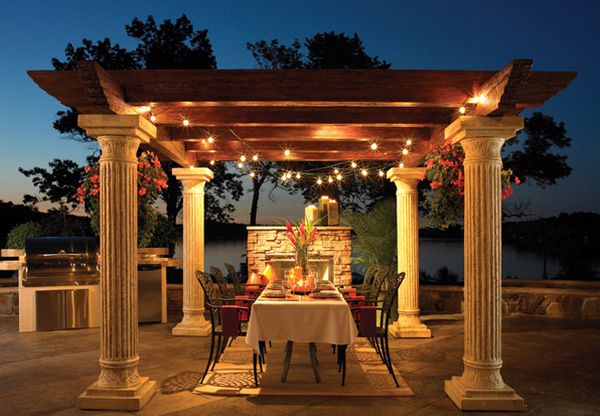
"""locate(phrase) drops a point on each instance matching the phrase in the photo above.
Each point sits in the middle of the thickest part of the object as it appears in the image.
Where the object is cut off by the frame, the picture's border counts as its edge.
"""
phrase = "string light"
(186, 122)
(255, 158)
(288, 175)
(401, 165)
(287, 152)
(364, 172)
(212, 162)
(405, 151)
(210, 139)
(408, 142)
(243, 158)
(329, 179)
(298, 176)
(374, 146)
(319, 181)
(336, 171)
(252, 174)
(338, 177)
(462, 109)
(381, 173)
(353, 164)
(152, 118)
(240, 165)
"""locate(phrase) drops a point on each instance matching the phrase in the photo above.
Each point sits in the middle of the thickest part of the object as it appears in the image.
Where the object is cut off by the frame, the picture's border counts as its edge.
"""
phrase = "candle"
(323, 201)
(311, 213)
(333, 217)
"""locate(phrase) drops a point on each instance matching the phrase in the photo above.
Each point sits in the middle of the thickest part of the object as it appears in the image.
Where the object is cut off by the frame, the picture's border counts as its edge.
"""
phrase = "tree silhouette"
(169, 45)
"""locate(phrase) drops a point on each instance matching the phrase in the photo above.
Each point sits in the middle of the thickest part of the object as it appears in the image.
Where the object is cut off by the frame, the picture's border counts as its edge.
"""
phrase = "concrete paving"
(554, 364)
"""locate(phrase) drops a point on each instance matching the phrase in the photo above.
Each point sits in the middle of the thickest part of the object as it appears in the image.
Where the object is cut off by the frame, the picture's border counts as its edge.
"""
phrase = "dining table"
(322, 316)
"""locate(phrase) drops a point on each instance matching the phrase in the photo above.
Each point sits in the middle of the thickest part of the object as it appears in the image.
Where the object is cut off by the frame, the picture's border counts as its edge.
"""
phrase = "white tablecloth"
(327, 321)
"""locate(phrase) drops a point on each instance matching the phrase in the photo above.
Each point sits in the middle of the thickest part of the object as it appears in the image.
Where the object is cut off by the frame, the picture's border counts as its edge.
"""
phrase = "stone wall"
(331, 241)
(561, 299)
(9, 301)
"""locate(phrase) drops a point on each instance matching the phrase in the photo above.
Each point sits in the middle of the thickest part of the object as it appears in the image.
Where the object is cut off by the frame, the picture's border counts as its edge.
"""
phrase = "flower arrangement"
(151, 181)
(302, 236)
(445, 199)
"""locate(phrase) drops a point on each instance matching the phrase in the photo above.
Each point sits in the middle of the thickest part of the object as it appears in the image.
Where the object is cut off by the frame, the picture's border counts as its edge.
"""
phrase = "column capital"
(111, 125)
(482, 127)
(406, 175)
(195, 175)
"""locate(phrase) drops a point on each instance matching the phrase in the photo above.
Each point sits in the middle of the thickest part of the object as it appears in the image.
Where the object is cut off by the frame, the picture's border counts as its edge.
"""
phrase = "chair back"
(378, 281)
(369, 274)
(219, 279)
(390, 298)
(235, 278)
(211, 296)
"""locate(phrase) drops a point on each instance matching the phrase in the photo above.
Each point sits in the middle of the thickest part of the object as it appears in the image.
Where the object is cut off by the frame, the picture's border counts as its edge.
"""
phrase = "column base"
(196, 328)
(468, 398)
(128, 398)
(410, 331)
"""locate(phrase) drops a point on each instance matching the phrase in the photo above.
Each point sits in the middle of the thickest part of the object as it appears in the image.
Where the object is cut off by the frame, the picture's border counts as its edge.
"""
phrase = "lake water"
(434, 254)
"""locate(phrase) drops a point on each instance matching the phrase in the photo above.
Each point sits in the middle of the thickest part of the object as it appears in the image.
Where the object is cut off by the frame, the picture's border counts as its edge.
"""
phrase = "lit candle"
(323, 201)
(311, 213)
(333, 217)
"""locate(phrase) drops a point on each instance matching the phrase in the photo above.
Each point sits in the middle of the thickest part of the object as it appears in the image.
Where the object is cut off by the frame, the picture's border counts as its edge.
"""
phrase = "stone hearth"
(270, 242)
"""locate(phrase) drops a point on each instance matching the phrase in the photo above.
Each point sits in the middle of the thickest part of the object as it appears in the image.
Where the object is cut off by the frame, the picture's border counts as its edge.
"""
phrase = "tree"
(327, 50)
(536, 161)
(56, 185)
(170, 45)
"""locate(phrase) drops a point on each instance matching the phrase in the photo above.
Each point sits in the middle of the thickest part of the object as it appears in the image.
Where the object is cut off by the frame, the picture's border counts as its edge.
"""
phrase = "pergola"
(319, 115)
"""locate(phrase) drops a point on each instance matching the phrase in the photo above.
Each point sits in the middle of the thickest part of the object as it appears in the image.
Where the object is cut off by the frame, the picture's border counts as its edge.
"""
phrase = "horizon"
(450, 38)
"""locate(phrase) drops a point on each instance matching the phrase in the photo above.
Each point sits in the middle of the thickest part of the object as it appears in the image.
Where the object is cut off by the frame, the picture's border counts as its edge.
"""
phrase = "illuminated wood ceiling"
(319, 115)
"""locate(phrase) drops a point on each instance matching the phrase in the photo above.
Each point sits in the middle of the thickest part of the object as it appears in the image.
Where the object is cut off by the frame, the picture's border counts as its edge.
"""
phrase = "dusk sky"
(557, 35)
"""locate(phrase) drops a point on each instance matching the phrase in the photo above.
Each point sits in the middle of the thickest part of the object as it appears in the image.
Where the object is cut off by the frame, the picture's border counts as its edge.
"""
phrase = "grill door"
(62, 309)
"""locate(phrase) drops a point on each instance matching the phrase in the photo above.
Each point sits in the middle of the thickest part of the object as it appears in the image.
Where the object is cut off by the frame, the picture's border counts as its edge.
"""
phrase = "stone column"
(409, 324)
(119, 386)
(481, 386)
(193, 322)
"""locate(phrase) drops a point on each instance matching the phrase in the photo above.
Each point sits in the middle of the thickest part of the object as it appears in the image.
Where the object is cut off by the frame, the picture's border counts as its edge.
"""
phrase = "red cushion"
(367, 326)
(230, 320)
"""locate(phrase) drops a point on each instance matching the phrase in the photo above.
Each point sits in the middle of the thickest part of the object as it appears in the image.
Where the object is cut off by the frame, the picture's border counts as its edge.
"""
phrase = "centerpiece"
(301, 236)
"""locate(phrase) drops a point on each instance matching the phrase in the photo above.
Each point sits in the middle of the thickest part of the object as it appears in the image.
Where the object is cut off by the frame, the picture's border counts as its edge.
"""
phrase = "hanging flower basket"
(151, 181)
(444, 201)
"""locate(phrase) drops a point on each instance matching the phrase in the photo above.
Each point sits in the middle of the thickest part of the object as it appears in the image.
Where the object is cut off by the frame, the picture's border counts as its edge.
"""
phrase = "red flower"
(517, 180)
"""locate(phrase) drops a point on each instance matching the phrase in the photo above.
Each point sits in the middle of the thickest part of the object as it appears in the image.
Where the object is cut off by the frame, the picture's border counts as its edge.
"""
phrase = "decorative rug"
(366, 375)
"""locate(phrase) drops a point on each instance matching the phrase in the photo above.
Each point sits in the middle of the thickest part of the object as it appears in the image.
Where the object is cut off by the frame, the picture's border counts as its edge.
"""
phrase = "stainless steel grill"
(54, 261)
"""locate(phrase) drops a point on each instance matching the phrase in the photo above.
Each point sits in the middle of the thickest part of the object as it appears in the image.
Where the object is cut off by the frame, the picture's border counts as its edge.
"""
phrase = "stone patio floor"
(554, 364)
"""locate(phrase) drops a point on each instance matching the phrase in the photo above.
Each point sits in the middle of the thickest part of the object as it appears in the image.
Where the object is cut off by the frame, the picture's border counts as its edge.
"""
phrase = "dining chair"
(378, 332)
(226, 324)
(240, 288)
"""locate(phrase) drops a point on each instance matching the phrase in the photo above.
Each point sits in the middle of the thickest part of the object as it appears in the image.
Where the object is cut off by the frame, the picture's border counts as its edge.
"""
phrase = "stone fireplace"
(329, 255)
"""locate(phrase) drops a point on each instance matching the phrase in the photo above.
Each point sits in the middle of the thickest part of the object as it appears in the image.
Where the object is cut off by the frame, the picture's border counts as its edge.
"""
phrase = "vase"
(302, 261)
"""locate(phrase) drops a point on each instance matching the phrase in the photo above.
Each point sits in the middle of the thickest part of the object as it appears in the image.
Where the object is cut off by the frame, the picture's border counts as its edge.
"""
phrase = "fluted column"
(409, 323)
(193, 322)
(481, 386)
(119, 385)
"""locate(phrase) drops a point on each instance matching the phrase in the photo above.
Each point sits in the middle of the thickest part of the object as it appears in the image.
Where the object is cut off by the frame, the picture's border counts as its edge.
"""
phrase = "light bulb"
(255, 158)
(373, 146)
(243, 158)
(354, 165)
(381, 173)
(153, 118)
(286, 152)
(210, 139)
(329, 179)
(212, 162)
(289, 175)
(339, 177)
(252, 174)
(364, 172)
(405, 151)
(319, 181)
(336, 171)
(186, 122)
(408, 142)
(240, 165)
(462, 109)
(401, 165)
(298, 176)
